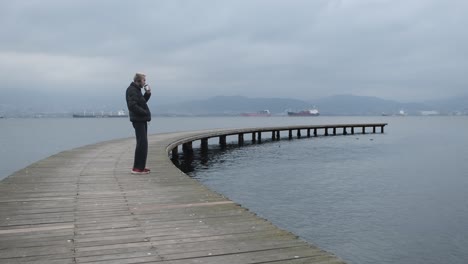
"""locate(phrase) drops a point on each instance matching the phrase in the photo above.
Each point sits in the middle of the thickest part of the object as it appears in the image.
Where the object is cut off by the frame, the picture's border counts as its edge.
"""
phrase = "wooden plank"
(35, 229)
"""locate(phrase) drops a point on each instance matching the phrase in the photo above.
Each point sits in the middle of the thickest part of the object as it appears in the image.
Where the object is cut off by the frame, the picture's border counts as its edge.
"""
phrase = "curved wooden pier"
(83, 206)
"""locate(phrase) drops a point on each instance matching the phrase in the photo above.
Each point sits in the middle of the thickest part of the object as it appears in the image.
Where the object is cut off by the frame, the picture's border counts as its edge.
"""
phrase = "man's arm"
(133, 105)
(147, 95)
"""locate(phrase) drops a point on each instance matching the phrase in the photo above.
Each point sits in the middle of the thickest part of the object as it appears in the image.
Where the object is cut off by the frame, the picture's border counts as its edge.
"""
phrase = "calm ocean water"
(398, 197)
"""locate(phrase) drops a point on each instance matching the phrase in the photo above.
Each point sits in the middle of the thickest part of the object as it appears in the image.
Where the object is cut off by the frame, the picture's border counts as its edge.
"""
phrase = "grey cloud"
(412, 49)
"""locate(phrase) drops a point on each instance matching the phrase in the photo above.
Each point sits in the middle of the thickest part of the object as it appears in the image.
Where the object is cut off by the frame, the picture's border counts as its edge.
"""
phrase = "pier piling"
(241, 139)
(222, 141)
(204, 144)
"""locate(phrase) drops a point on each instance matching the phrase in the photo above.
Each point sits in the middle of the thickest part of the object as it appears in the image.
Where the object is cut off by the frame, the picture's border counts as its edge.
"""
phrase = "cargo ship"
(308, 112)
(259, 113)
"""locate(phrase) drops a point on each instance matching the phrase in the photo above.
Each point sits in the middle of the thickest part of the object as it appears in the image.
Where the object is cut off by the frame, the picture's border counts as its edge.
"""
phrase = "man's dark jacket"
(136, 102)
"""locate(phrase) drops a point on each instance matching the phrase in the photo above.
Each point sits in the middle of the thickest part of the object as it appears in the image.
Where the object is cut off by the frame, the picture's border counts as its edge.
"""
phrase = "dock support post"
(315, 132)
(326, 131)
(352, 130)
(204, 151)
(273, 135)
(344, 131)
(334, 131)
(278, 136)
(381, 129)
(240, 141)
(175, 153)
(259, 137)
(254, 138)
(204, 144)
(188, 156)
(363, 129)
(222, 141)
(298, 133)
(187, 148)
(290, 134)
(373, 129)
(308, 132)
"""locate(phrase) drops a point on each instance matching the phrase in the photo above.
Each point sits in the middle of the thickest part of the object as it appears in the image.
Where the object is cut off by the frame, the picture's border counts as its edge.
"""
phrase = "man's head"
(140, 79)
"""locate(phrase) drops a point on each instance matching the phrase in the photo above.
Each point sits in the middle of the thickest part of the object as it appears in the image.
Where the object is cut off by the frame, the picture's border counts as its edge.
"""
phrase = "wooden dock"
(84, 206)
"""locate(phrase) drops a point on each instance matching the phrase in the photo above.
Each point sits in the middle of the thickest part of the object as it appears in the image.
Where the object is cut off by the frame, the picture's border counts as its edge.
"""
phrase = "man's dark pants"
(141, 150)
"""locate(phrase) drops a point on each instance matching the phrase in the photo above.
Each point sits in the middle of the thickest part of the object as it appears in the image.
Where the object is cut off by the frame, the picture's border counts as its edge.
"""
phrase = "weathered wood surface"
(84, 206)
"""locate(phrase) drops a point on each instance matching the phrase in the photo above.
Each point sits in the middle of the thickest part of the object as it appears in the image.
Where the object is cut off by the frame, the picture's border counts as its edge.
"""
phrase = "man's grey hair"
(139, 76)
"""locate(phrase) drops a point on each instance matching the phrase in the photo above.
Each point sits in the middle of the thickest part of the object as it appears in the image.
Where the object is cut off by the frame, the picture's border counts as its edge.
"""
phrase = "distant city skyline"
(411, 51)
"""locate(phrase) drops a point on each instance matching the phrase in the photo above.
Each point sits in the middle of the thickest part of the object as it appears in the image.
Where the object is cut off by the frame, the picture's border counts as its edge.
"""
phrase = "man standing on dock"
(140, 115)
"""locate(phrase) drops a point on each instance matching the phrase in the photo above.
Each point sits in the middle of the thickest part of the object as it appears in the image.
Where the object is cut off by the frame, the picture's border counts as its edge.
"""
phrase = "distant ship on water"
(259, 113)
(308, 112)
(120, 113)
(402, 113)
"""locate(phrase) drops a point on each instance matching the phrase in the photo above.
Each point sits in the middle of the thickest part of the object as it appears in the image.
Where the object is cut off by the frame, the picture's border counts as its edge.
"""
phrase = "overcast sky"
(395, 49)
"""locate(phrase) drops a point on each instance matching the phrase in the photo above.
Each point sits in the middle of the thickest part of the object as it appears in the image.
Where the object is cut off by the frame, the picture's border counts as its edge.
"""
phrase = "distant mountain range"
(332, 105)
(231, 105)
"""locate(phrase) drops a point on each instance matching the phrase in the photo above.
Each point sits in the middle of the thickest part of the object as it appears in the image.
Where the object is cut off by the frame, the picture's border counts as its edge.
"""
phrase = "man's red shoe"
(139, 171)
